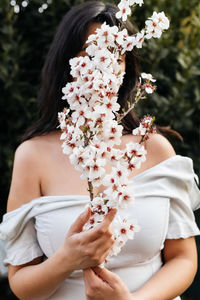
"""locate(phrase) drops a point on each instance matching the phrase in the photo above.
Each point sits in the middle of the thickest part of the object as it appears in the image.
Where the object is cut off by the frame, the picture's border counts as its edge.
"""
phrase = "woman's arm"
(175, 276)
(80, 250)
(170, 281)
(37, 279)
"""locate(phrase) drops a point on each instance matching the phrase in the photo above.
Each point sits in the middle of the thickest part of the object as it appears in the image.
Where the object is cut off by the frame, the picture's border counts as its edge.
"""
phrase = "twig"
(90, 190)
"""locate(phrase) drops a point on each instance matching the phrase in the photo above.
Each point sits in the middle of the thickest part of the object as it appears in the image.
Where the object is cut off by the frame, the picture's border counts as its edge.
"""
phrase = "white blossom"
(67, 147)
(148, 77)
(80, 114)
(149, 88)
(94, 220)
(125, 196)
(139, 130)
(124, 10)
(125, 229)
(106, 35)
(80, 65)
(152, 30)
(103, 58)
(137, 153)
(129, 43)
(114, 155)
(94, 164)
(62, 117)
(121, 37)
(98, 205)
(70, 90)
(139, 39)
(156, 24)
(163, 21)
(112, 132)
(77, 158)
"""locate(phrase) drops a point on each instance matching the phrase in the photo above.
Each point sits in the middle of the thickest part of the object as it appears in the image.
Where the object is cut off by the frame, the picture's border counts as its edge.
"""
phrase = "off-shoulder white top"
(165, 197)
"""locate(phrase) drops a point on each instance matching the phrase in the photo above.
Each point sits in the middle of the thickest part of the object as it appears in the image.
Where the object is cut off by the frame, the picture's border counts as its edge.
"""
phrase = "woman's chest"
(152, 216)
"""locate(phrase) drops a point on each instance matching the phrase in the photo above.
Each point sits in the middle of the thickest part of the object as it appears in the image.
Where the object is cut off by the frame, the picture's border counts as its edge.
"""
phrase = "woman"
(47, 249)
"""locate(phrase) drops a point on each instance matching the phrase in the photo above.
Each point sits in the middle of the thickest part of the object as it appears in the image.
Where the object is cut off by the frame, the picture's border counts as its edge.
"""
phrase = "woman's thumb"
(77, 226)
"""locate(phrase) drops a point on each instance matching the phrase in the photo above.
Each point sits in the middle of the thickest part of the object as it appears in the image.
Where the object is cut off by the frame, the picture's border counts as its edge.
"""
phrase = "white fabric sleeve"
(24, 248)
(181, 217)
(18, 227)
(3, 269)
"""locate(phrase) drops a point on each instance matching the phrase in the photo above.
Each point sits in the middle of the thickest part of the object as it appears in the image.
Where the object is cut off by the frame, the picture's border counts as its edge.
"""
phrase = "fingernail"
(113, 211)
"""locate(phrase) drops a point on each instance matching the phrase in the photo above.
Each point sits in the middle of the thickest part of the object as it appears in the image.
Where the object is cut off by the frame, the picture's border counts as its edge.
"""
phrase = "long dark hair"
(67, 43)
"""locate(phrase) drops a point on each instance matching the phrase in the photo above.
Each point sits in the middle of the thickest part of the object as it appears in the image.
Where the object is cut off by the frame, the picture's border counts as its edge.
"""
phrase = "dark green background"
(174, 60)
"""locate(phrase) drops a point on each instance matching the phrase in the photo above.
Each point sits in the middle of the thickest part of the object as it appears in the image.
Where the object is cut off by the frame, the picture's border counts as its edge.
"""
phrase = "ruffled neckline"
(176, 171)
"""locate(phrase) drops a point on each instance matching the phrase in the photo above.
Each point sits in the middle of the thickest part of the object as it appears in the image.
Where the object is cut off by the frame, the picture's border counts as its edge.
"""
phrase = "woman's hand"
(82, 250)
(101, 284)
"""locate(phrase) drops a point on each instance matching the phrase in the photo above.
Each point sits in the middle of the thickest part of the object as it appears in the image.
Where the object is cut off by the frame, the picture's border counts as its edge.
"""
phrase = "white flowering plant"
(91, 126)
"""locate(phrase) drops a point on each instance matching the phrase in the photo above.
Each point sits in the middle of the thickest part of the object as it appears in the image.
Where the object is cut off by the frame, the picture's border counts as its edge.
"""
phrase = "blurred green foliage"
(174, 60)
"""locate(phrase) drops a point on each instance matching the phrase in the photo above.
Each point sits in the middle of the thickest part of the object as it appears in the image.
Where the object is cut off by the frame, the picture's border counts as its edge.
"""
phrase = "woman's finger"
(106, 275)
(104, 242)
(103, 227)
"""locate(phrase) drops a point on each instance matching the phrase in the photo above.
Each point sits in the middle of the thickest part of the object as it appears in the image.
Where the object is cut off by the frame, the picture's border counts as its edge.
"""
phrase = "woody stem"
(90, 189)
(139, 95)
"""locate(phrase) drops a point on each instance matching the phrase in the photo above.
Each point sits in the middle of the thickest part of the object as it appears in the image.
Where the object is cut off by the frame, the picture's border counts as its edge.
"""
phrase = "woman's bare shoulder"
(31, 150)
(27, 149)
(159, 147)
(27, 166)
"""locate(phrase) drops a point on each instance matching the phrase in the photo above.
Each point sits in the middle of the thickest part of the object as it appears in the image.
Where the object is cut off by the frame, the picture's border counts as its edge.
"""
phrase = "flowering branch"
(141, 89)
(91, 131)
